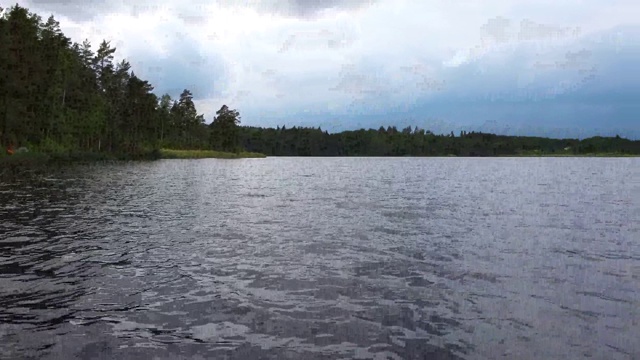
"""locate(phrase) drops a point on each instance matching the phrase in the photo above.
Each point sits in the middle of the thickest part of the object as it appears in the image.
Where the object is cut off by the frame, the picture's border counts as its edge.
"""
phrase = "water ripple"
(287, 258)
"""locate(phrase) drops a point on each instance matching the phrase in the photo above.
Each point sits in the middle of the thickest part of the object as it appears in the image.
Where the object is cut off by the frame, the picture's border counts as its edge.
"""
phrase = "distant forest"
(57, 96)
(419, 142)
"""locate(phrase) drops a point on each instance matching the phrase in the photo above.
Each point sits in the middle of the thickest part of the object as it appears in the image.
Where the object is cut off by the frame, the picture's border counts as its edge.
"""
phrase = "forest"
(58, 96)
(419, 142)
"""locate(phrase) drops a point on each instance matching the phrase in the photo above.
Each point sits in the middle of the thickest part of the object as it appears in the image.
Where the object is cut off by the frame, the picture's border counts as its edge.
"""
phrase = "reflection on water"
(289, 258)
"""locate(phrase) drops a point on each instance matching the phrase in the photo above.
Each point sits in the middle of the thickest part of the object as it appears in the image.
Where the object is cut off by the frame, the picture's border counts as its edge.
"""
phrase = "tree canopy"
(224, 130)
(300, 141)
(61, 96)
(56, 95)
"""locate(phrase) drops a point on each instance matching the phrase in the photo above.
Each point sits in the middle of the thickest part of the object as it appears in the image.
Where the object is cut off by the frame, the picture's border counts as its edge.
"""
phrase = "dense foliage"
(418, 142)
(224, 130)
(57, 96)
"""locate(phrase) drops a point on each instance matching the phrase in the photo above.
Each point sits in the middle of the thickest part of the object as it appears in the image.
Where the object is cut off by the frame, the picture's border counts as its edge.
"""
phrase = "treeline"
(56, 96)
(409, 141)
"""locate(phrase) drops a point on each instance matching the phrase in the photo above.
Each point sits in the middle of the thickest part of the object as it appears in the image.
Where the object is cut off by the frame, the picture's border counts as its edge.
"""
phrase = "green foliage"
(224, 130)
(201, 154)
(391, 142)
(49, 146)
(62, 99)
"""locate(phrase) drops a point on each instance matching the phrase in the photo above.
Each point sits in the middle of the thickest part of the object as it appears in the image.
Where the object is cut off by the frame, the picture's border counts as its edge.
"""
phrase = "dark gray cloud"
(185, 67)
(589, 88)
(77, 10)
(311, 8)
(546, 75)
(86, 10)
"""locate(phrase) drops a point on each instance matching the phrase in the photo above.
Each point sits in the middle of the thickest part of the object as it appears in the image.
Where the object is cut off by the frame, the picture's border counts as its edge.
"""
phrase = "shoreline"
(36, 162)
(207, 154)
(39, 158)
(34, 158)
(17, 164)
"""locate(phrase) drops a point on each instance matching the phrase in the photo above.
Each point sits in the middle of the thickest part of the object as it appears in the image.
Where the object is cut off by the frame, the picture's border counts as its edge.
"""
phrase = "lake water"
(323, 258)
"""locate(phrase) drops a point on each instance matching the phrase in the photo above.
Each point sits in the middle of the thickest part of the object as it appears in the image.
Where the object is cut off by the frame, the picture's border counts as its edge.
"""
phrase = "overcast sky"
(539, 67)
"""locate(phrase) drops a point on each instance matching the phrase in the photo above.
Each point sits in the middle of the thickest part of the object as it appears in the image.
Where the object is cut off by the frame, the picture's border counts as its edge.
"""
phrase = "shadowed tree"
(59, 96)
(224, 129)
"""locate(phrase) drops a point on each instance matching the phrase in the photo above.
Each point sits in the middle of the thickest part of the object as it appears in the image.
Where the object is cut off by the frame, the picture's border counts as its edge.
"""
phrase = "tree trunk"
(3, 138)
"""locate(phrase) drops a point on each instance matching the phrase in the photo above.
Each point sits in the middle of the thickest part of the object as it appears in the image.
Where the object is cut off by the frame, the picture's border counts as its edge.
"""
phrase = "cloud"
(78, 10)
(355, 63)
(191, 10)
(309, 9)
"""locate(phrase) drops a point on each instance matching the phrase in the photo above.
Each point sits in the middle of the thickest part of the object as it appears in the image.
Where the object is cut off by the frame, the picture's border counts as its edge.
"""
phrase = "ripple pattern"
(323, 258)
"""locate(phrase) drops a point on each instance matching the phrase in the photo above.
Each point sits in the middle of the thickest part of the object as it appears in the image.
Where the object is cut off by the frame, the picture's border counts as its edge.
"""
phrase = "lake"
(323, 258)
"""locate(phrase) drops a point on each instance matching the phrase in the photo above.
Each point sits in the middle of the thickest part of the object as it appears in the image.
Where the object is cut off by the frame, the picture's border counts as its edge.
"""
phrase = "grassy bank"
(203, 154)
(568, 154)
(36, 157)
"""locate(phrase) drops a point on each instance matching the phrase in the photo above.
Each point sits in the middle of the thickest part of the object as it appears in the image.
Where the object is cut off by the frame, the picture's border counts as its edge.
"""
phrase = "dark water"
(295, 258)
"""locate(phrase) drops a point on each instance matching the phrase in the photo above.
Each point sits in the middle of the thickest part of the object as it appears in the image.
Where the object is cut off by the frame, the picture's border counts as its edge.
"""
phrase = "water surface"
(336, 258)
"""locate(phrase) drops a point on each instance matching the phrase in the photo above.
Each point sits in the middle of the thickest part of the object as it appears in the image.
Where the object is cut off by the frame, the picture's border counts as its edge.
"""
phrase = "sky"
(558, 68)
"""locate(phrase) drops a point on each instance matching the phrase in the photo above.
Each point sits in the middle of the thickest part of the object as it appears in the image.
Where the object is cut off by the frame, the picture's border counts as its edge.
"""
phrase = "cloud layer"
(537, 67)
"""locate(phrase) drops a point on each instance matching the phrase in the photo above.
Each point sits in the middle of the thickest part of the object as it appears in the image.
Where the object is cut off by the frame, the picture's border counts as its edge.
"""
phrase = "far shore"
(207, 154)
(42, 158)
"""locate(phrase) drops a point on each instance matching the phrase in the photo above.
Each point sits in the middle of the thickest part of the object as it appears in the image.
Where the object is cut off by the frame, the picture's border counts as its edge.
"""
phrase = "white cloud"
(283, 57)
